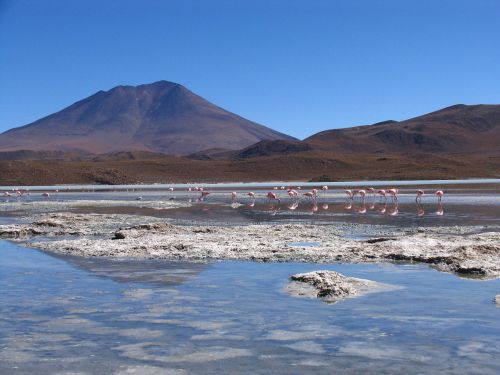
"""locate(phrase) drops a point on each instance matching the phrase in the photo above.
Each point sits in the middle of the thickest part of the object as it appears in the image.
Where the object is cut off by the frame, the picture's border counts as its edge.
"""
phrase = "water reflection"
(234, 317)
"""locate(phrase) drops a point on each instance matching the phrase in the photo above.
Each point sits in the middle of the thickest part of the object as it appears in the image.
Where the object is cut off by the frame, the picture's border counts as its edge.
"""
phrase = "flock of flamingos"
(311, 196)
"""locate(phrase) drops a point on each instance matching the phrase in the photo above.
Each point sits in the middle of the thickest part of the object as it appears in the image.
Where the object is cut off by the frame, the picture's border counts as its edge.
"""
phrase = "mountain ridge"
(161, 117)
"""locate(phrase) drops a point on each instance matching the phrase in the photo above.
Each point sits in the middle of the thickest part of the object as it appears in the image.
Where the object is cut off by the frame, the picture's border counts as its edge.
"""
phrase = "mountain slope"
(159, 117)
(456, 129)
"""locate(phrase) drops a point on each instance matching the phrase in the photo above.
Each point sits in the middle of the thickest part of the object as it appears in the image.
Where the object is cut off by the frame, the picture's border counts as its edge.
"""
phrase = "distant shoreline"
(218, 185)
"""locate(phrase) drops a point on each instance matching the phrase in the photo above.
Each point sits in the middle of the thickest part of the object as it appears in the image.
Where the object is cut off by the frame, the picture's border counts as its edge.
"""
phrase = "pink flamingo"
(382, 193)
(46, 194)
(325, 206)
(203, 195)
(394, 194)
(251, 194)
(383, 209)
(371, 191)
(309, 195)
(362, 193)
(293, 205)
(324, 188)
(350, 194)
(272, 197)
(233, 196)
(439, 194)
(315, 192)
(418, 198)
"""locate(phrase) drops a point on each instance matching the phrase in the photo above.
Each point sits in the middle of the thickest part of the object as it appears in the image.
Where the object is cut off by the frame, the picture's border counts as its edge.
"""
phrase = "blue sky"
(297, 66)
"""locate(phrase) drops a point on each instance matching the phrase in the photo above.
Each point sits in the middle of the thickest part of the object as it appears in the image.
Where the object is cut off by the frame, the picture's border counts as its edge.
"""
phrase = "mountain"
(456, 129)
(162, 117)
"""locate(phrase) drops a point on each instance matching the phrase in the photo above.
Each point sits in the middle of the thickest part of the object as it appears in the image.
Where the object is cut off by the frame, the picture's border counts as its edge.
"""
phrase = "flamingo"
(382, 193)
(371, 191)
(203, 195)
(394, 194)
(293, 205)
(439, 194)
(309, 195)
(324, 188)
(46, 194)
(233, 196)
(325, 206)
(350, 194)
(251, 194)
(418, 198)
(272, 196)
(362, 193)
(171, 189)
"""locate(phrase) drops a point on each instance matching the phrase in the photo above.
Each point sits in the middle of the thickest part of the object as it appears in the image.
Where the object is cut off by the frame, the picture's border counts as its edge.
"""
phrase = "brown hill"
(160, 117)
(456, 129)
(299, 166)
(272, 148)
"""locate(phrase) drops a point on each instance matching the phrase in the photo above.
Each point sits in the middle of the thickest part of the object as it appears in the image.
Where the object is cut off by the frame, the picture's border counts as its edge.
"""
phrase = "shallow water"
(464, 204)
(60, 314)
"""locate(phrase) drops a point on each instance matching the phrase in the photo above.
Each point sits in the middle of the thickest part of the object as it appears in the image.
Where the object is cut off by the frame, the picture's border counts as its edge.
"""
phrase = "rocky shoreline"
(473, 255)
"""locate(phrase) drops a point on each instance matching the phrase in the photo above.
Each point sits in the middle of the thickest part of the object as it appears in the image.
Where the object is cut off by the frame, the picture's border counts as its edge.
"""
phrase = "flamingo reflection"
(420, 210)
(383, 208)
(361, 209)
(440, 209)
(394, 210)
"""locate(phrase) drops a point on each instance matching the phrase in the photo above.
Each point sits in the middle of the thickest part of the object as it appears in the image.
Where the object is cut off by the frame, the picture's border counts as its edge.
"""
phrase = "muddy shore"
(445, 248)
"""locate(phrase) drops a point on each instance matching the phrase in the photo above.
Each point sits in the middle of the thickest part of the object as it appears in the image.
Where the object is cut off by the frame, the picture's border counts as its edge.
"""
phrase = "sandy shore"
(447, 249)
